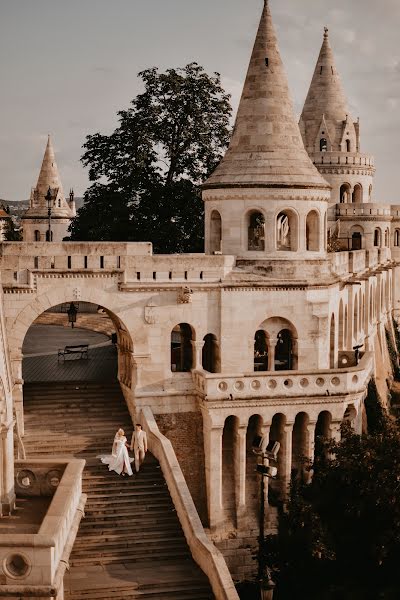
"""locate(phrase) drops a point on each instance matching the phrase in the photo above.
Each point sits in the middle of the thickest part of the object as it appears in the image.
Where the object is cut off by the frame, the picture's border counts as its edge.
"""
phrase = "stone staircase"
(130, 543)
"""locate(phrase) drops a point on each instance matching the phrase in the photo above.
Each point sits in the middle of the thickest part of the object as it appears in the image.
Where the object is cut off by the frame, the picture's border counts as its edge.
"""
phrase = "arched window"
(341, 340)
(210, 354)
(37, 235)
(181, 348)
(356, 241)
(377, 237)
(358, 194)
(260, 351)
(215, 232)
(47, 236)
(287, 231)
(355, 319)
(312, 231)
(284, 351)
(397, 237)
(345, 193)
(323, 145)
(348, 145)
(332, 344)
(256, 232)
(300, 445)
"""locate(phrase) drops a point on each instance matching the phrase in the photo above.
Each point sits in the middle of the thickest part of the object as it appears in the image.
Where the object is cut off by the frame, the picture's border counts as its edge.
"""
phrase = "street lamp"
(72, 312)
(267, 451)
(48, 197)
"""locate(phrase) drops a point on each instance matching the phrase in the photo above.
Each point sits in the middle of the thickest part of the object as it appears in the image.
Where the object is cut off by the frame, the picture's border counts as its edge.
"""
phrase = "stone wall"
(185, 431)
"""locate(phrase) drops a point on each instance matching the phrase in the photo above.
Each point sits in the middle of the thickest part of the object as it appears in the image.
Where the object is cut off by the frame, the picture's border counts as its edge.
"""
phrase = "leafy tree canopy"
(340, 537)
(146, 174)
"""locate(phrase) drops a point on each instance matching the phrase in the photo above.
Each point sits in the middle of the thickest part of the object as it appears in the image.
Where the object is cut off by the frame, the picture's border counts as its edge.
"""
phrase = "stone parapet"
(284, 386)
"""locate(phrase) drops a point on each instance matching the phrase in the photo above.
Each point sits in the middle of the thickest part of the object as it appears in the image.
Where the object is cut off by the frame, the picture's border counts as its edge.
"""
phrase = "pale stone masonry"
(257, 335)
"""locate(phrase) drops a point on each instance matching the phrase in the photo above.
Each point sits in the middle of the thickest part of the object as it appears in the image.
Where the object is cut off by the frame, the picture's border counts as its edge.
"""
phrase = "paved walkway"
(41, 362)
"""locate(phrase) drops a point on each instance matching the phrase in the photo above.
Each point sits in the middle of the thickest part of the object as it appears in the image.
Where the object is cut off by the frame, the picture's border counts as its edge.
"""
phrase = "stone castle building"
(255, 336)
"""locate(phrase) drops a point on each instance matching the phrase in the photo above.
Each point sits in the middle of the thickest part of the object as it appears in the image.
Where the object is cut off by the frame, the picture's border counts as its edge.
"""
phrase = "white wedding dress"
(119, 457)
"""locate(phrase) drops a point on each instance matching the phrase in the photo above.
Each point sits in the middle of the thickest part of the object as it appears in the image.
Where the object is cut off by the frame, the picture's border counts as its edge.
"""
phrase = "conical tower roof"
(325, 99)
(266, 148)
(49, 176)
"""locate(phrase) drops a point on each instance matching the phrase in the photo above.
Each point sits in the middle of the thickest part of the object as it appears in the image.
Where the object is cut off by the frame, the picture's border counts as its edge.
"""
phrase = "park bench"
(81, 349)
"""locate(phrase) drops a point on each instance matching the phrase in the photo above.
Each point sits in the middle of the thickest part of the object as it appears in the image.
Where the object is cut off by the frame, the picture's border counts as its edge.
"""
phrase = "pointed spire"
(266, 148)
(325, 97)
(49, 176)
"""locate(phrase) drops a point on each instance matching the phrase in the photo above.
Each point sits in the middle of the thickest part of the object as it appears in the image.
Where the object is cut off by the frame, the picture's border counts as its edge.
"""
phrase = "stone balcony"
(358, 261)
(284, 384)
(341, 159)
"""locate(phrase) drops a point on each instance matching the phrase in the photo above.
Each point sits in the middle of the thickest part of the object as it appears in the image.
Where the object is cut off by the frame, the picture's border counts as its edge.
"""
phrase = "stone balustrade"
(364, 210)
(357, 261)
(34, 564)
(284, 384)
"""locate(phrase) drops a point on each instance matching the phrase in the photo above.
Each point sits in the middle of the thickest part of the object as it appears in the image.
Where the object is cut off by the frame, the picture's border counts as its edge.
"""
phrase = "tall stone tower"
(35, 222)
(266, 201)
(332, 137)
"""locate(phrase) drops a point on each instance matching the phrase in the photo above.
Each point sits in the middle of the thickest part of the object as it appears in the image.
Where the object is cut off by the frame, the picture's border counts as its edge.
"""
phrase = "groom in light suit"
(139, 445)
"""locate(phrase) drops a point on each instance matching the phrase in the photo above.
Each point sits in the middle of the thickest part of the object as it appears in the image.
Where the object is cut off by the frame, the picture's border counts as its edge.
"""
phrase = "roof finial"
(326, 32)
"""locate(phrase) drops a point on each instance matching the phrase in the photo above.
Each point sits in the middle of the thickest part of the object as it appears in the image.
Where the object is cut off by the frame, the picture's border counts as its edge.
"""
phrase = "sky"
(68, 66)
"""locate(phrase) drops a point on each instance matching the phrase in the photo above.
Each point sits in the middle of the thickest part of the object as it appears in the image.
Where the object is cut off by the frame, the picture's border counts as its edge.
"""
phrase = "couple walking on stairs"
(119, 460)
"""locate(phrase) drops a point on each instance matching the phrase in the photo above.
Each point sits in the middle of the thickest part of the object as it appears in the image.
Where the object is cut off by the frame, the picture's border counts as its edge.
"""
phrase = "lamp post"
(48, 197)
(267, 451)
(72, 312)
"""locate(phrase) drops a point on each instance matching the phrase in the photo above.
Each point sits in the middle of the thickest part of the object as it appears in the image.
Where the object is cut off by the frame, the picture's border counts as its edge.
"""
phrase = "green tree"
(146, 174)
(11, 232)
(340, 537)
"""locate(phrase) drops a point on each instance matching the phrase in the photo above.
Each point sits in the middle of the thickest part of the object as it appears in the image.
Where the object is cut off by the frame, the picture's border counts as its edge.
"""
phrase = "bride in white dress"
(119, 460)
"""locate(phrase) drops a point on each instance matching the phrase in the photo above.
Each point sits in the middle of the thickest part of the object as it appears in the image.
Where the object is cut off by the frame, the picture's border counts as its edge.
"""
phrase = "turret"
(332, 137)
(47, 197)
(266, 200)
(72, 202)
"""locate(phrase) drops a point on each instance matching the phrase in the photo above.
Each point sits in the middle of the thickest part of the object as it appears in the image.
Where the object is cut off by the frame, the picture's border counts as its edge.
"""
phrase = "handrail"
(207, 556)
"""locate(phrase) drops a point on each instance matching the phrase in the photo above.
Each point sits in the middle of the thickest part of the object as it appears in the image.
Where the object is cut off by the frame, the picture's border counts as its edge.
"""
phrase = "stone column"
(197, 349)
(213, 467)
(271, 353)
(265, 431)
(310, 446)
(287, 458)
(240, 473)
(7, 493)
(335, 431)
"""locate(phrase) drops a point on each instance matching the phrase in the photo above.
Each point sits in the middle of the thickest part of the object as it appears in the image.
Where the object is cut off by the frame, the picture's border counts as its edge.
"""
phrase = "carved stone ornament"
(185, 296)
(76, 293)
(150, 314)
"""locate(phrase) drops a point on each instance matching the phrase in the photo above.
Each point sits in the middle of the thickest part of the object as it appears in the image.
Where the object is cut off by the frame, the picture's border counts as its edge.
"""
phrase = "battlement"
(354, 159)
(366, 209)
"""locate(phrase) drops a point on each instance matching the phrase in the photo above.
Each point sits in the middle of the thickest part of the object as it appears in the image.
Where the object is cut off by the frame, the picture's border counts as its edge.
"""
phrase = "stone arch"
(396, 237)
(322, 433)
(357, 236)
(261, 350)
(182, 355)
(350, 414)
(357, 194)
(348, 145)
(287, 230)
(254, 428)
(345, 193)
(300, 444)
(355, 318)
(215, 232)
(211, 358)
(341, 338)
(228, 473)
(313, 231)
(323, 145)
(283, 343)
(255, 220)
(277, 488)
(378, 237)
(37, 235)
(332, 343)
(346, 326)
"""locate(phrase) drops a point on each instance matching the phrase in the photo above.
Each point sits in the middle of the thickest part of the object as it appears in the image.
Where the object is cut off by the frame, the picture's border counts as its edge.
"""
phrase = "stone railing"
(133, 263)
(284, 384)
(33, 565)
(357, 261)
(364, 210)
(207, 556)
(343, 159)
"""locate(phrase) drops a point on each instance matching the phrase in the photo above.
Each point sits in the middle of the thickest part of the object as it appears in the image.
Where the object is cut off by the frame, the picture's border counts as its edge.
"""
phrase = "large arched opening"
(77, 371)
